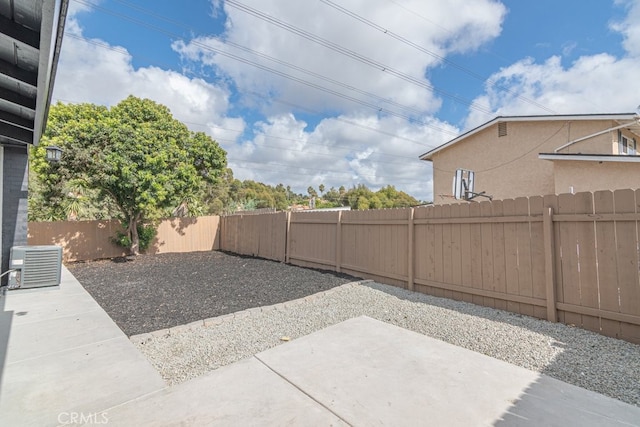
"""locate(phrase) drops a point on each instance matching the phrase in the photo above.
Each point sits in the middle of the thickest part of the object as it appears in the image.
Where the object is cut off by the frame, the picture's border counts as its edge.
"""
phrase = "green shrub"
(146, 234)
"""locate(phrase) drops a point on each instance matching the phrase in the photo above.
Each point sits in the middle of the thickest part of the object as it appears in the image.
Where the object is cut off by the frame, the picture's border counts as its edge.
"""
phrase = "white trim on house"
(593, 135)
(572, 117)
(620, 158)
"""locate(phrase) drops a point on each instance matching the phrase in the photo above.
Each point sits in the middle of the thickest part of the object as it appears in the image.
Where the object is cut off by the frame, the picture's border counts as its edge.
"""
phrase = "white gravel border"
(576, 356)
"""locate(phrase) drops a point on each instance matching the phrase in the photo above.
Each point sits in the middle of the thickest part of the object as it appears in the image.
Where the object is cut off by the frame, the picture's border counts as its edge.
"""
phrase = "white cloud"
(461, 26)
(629, 27)
(336, 152)
(600, 83)
(100, 73)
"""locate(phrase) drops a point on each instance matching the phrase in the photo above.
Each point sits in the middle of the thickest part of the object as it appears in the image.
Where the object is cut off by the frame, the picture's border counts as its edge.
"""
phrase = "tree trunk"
(133, 235)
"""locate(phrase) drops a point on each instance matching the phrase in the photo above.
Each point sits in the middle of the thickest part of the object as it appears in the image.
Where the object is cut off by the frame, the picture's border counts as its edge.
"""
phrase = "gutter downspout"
(593, 135)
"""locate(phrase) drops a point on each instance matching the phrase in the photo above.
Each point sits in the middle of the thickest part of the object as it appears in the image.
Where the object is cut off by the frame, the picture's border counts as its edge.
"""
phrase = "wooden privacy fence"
(572, 258)
(261, 235)
(89, 240)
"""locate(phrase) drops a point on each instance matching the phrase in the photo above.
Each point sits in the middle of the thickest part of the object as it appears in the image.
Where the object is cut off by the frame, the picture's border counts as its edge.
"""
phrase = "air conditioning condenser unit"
(35, 266)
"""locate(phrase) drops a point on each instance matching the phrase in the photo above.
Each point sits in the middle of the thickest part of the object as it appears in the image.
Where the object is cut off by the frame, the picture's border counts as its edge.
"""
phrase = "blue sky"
(352, 91)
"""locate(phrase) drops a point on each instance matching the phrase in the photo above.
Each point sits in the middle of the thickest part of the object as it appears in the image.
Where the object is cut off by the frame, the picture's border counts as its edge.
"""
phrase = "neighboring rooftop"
(618, 117)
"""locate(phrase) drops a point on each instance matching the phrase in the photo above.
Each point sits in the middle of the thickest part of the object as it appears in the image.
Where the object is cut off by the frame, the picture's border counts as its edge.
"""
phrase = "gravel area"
(576, 356)
(151, 292)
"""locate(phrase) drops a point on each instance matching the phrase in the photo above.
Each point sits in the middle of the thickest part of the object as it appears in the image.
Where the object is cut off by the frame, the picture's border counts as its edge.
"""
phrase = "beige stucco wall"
(594, 176)
(508, 166)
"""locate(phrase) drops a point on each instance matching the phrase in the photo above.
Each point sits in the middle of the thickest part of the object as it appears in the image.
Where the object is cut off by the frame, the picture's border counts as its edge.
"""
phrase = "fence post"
(339, 243)
(549, 267)
(410, 250)
(287, 243)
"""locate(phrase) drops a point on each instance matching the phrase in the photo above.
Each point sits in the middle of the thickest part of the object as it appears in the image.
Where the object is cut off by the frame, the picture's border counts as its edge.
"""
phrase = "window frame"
(626, 145)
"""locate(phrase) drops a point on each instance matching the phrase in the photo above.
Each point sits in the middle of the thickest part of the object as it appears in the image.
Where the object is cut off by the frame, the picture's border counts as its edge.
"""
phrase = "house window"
(502, 129)
(627, 145)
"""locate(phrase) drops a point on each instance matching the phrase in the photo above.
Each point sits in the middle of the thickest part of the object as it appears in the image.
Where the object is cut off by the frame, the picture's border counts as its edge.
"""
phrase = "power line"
(279, 61)
(499, 165)
(430, 53)
(276, 100)
(270, 70)
(297, 106)
(350, 53)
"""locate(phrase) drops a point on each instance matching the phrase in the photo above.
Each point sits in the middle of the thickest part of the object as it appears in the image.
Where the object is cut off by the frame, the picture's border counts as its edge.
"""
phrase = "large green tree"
(136, 154)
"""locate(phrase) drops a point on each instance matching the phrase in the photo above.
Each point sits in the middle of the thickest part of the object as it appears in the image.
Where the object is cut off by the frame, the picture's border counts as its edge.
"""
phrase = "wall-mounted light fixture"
(54, 153)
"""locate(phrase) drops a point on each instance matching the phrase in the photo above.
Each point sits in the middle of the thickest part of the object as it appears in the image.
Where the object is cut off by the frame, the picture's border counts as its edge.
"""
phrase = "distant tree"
(136, 154)
(312, 192)
(321, 188)
(343, 196)
(362, 203)
(332, 196)
(374, 202)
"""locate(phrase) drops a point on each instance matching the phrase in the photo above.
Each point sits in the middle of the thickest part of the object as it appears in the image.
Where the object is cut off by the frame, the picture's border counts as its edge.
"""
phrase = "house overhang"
(30, 40)
(619, 158)
(620, 117)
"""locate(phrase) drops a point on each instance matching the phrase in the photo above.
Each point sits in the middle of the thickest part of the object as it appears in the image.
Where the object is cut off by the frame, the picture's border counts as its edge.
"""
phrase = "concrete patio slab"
(370, 373)
(36, 339)
(44, 304)
(246, 393)
(364, 372)
(64, 355)
(66, 362)
(84, 379)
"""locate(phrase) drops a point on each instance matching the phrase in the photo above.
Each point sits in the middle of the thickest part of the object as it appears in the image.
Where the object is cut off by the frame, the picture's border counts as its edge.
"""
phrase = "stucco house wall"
(579, 176)
(508, 166)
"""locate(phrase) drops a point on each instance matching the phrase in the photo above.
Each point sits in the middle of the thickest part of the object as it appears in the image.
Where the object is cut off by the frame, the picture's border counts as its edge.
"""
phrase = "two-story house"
(514, 156)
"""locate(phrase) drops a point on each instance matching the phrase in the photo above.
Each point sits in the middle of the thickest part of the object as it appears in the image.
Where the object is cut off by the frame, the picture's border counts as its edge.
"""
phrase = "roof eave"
(612, 116)
(619, 158)
(51, 32)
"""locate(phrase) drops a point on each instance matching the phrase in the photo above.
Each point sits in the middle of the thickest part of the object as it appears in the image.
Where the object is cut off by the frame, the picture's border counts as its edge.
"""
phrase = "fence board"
(487, 254)
(447, 267)
(536, 208)
(499, 255)
(465, 251)
(523, 239)
(587, 260)
(456, 252)
(312, 239)
(431, 246)
(476, 253)
(569, 259)
(438, 255)
(607, 262)
(627, 259)
(511, 255)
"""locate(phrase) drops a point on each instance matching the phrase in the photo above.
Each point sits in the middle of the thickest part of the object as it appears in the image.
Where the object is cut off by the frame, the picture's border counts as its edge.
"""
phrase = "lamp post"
(54, 153)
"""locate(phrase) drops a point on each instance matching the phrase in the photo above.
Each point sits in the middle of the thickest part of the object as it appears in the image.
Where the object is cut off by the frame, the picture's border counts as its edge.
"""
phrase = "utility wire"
(276, 100)
(438, 128)
(499, 165)
(270, 70)
(350, 53)
(279, 61)
(431, 53)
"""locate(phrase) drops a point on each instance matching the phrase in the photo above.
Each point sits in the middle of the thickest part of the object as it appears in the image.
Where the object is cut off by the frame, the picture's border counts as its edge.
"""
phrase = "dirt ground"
(153, 292)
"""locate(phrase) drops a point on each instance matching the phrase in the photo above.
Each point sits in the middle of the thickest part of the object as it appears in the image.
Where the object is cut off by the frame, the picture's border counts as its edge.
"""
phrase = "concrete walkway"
(68, 363)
